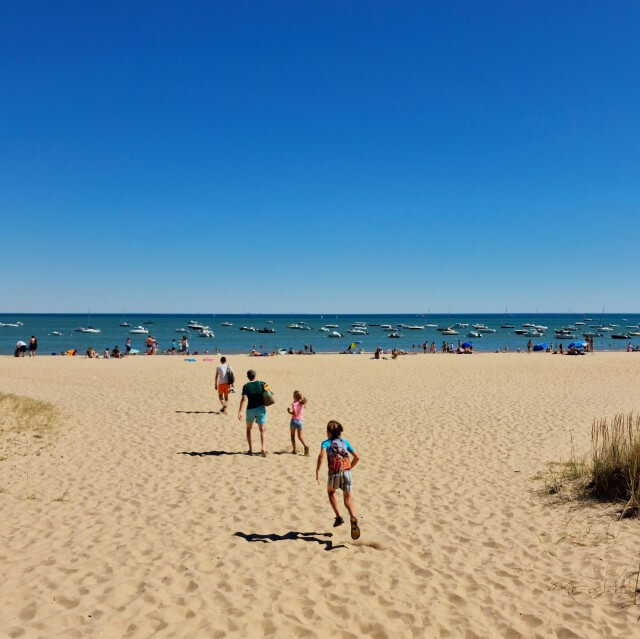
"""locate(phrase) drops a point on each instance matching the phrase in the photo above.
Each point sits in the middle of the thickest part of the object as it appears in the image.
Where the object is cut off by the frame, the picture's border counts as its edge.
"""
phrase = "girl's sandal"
(355, 531)
(306, 451)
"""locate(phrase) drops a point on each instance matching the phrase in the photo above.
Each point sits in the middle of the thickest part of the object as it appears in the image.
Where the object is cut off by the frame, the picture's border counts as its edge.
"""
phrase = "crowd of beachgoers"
(181, 347)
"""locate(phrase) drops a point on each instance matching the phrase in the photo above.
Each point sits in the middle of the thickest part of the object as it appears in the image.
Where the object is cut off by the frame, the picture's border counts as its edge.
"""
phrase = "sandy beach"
(139, 516)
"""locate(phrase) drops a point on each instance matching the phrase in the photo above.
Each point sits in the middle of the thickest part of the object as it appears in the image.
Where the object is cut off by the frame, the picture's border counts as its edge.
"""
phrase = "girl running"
(337, 452)
(297, 414)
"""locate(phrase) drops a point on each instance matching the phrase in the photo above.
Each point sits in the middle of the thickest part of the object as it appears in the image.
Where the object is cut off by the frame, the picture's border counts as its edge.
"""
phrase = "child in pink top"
(297, 414)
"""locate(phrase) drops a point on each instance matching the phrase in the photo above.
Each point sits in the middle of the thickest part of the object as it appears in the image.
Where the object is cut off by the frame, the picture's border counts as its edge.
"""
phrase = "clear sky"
(319, 156)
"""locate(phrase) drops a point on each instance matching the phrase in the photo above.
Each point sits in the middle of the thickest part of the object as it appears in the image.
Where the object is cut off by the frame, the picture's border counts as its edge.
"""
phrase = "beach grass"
(614, 471)
(19, 414)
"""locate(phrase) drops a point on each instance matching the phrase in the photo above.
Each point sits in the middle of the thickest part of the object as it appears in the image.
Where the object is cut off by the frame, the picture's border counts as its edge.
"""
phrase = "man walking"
(253, 393)
(224, 379)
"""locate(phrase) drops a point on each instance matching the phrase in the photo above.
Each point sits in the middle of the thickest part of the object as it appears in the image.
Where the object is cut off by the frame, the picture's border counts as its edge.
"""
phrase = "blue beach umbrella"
(467, 345)
(541, 347)
(578, 345)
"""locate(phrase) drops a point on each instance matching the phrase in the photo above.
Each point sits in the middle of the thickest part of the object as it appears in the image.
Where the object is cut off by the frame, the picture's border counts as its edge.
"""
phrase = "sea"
(230, 339)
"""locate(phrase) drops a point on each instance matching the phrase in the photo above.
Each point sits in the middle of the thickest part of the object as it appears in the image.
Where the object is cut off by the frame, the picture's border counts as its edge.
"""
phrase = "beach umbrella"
(541, 347)
(467, 345)
(578, 345)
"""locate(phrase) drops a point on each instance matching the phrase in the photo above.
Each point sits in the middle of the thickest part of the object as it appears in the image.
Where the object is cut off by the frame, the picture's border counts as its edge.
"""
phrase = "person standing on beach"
(337, 451)
(127, 345)
(33, 346)
(253, 393)
(295, 425)
(224, 379)
(529, 345)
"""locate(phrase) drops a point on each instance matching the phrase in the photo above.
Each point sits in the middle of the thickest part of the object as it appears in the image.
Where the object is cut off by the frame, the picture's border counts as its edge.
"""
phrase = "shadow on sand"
(199, 412)
(292, 535)
(209, 453)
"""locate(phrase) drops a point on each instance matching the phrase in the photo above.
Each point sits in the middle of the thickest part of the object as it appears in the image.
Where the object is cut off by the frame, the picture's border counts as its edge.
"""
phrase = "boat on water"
(620, 336)
(633, 334)
(565, 336)
(335, 334)
(266, 330)
(123, 324)
(415, 328)
(396, 335)
(521, 331)
(87, 329)
(331, 325)
(528, 325)
(461, 325)
(478, 327)
(181, 330)
(139, 330)
(449, 331)
(431, 326)
(579, 323)
(591, 334)
(386, 327)
(226, 324)
(324, 329)
(206, 332)
(607, 329)
(507, 326)
(486, 329)
(358, 331)
(11, 324)
(474, 334)
(250, 329)
(147, 323)
(196, 326)
(56, 333)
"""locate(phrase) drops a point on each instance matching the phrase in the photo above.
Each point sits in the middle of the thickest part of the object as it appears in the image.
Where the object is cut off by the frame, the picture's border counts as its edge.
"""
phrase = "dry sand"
(108, 530)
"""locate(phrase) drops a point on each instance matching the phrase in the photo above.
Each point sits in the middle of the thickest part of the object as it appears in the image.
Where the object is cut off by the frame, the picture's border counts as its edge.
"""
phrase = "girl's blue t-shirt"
(327, 442)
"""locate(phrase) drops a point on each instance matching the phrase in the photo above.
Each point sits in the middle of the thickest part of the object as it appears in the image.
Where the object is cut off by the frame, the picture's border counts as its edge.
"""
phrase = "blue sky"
(319, 156)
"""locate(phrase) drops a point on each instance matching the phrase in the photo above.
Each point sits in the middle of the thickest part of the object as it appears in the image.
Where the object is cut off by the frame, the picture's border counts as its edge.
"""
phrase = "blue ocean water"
(229, 339)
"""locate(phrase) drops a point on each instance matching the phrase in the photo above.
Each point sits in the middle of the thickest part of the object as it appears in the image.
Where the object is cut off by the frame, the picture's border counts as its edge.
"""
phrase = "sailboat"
(88, 328)
(506, 324)
(124, 322)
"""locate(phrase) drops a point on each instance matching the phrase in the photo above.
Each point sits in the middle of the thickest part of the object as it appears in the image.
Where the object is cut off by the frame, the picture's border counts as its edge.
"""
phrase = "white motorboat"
(11, 324)
(461, 325)
(57, 333)
(415, 328)
(386, 327)
(486, 329)
(206, 332)
(607, 329)
(331, 325)
(507, 326)
(335, 334)
(181, 330)
(478, 326)
(124, 324)
(527, 325)
(363, 324)
(90, 329)
(196, 326)
(357, 331)
(250, 329)
(633, 333)
(474, 334)
(431, 326)
(324, 329)
(579, 323)
(139, 330)
(396, 335)
(226, 324)
(294, 326)
(449, 331)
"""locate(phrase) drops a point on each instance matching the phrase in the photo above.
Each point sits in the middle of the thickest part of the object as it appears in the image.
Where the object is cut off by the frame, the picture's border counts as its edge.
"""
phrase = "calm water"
(229, 339)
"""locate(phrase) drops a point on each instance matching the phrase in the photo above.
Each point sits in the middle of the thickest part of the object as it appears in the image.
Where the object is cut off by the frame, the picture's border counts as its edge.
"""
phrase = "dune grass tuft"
(20, 414)
(614, 471)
